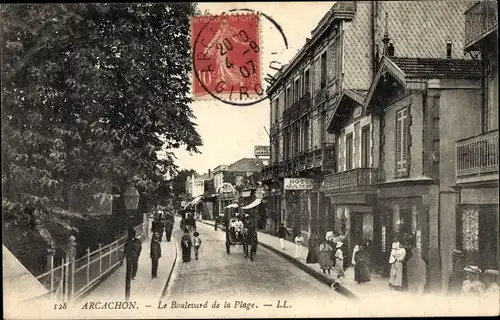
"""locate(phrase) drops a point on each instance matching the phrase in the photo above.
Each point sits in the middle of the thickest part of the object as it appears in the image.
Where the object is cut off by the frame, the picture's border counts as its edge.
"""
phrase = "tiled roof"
(438, 68)
(246, 165)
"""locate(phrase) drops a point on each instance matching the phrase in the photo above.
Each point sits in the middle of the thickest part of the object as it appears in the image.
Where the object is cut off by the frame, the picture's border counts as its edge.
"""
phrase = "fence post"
(50, 267)
(71, 262)
(100, 260)
(88, 266)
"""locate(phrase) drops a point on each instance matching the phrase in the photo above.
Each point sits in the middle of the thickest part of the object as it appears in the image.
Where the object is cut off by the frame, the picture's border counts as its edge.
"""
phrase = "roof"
(356, 95)
(246, 165)
(438, 68)
(403, 69)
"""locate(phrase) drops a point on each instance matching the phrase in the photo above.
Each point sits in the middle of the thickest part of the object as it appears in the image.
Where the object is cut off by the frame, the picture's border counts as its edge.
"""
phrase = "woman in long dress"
(325, 256)
(398, 255)
(361, 263)
(186, 245)
(312, 255)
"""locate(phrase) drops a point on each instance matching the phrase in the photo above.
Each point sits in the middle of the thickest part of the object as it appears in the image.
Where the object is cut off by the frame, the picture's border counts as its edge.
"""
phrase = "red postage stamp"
(226, 57)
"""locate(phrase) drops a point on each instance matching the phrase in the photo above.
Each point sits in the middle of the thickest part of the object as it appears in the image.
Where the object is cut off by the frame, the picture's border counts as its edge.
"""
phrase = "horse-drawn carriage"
(241, 230)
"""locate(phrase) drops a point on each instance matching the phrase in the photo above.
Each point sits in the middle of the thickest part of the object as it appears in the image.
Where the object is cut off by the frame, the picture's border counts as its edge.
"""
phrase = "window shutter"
(402, 140)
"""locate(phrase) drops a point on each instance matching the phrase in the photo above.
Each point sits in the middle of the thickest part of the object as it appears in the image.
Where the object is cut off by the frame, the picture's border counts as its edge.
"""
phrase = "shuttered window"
(402, 137)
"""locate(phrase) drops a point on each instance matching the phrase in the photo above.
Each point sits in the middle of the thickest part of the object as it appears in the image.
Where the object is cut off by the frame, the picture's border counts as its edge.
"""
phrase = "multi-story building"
(327, 126)
(476, 238)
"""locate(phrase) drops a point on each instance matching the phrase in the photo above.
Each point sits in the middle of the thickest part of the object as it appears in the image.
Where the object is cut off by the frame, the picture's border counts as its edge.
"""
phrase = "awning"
(245, 194)
(255, 203)
(232, 205)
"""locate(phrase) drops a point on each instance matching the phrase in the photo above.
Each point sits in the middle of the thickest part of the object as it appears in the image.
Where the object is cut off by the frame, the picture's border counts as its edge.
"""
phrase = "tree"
(178, 183)
(90, 94)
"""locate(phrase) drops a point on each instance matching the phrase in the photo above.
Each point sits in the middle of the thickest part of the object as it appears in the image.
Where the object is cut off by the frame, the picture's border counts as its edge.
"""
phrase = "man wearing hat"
(472, 286)
(492, 288)
(155, 254)
(132, 252)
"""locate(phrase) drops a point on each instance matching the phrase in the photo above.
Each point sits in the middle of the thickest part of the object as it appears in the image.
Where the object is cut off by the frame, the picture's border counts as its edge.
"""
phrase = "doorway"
(356, 228)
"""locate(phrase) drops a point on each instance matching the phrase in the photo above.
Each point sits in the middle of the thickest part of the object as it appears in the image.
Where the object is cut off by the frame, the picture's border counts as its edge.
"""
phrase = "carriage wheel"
(227, 248)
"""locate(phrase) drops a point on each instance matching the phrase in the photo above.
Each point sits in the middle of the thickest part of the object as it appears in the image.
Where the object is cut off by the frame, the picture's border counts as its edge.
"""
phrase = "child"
(197, 244)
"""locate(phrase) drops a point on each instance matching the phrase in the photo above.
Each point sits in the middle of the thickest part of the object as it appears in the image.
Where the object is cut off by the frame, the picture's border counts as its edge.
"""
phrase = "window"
(402, 133)
(276, 109)
(365, 146)
(296, 138)
(323, 127)
(306, 82)
(323, 70)
(296, 91)
(306, 134)
(348, 151)
(288, 96)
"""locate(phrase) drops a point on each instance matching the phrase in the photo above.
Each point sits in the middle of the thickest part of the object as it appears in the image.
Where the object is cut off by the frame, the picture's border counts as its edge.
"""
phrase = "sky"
(230, 132)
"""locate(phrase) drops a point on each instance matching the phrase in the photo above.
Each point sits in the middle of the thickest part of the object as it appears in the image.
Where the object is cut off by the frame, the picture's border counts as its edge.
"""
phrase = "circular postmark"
(228, 65)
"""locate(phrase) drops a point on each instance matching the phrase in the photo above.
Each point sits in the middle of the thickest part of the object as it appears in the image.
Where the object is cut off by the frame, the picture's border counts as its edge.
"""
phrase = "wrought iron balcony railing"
(477, 155)
(360, 179)
(480, 20)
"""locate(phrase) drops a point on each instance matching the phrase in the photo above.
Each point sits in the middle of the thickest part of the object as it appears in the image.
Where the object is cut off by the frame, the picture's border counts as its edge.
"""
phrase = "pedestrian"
(169, 226)
(282, 234)
(186, 245)
(325, 256)
(298, 244)
(339, 261)
(155, 254)
(361, 265)
(472, 286)
(492, 288)
(132, 250)
(312, 254)
(398, 254)
(196, 244)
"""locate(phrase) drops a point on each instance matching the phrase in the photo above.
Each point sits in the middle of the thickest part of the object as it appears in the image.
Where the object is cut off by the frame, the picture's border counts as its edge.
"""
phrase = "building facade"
(337, 65)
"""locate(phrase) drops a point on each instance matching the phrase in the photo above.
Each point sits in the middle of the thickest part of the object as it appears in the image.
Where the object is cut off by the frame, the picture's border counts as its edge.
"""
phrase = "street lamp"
(131, 197)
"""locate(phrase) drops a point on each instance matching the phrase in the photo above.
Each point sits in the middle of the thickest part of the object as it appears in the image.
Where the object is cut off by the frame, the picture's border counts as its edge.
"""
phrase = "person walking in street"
(472, 286)
(196, 244)
(312, 254)
(325, 256)
(282, 234)
(361, 265)
(169, 226)
(298, 244)
(155, 254)
(398, 254)
(186, 245)
(339, 261)
(132, 251)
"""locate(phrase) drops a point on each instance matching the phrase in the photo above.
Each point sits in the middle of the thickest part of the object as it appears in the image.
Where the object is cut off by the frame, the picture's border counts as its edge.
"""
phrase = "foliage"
(178, 184)
(91, 93)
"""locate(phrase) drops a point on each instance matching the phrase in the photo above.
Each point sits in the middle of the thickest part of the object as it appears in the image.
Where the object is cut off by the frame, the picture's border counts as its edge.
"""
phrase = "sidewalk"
(378, 285)
(143, 287)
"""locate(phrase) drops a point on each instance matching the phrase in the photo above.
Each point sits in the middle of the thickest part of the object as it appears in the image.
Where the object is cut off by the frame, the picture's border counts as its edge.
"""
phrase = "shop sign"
(262, 151)
(383, 238)
(226, 188)
(298, 184)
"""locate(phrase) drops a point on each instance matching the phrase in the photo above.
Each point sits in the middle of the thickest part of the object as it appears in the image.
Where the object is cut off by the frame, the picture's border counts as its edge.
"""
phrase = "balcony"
(360, 180)
(320, 96)
(477, 158)
(481, 20)
(321, 157)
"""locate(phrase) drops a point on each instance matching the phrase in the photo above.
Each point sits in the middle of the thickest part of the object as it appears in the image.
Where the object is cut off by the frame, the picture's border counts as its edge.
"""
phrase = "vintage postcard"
(250, 159)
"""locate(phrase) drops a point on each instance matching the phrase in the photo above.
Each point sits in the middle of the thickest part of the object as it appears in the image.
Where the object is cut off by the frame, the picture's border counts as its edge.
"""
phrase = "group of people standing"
(188, 244)
(472, 286)
(163, 222)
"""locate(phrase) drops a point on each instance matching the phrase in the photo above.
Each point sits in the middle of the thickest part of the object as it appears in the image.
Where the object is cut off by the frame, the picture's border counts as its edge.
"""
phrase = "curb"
(165, 288)
(318, 276)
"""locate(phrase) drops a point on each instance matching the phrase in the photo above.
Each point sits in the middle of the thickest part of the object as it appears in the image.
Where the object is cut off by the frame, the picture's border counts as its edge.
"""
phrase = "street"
(217, 274)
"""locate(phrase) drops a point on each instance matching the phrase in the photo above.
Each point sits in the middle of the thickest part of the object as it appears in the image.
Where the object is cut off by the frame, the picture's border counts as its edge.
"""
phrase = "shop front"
(226, 195)
(301, 199)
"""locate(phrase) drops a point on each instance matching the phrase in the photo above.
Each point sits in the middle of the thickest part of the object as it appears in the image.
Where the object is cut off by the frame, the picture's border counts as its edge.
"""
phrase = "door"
(356, 229)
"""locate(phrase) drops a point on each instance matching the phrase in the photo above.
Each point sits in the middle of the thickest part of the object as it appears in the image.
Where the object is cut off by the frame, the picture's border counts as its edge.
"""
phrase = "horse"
(250, 240)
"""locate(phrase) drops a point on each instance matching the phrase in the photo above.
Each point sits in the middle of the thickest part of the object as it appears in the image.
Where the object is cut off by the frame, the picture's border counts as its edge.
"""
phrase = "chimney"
(448, 49)
(386, 38)
(390, 50)
(209, 173)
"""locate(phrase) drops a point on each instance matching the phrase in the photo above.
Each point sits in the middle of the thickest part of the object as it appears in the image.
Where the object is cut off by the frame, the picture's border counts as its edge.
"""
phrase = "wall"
(420, 29)
(355, 128)
(357, 37)
(416, 147)
(493, 101)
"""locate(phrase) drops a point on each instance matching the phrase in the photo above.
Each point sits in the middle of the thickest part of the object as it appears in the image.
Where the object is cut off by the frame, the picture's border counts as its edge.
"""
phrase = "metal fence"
(75, 277)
